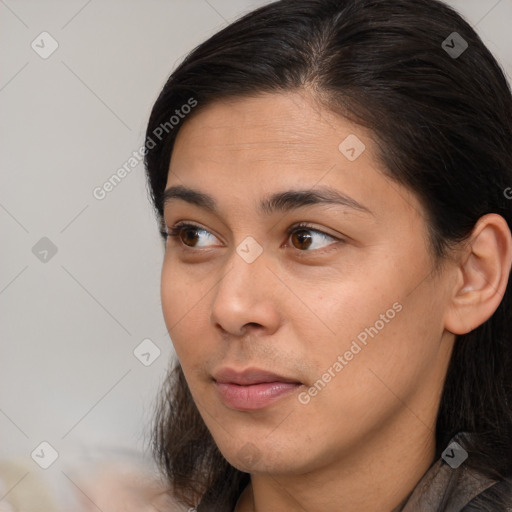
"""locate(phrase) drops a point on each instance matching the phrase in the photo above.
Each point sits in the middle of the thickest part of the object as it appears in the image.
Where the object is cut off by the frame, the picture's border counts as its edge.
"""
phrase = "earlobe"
(483, 273)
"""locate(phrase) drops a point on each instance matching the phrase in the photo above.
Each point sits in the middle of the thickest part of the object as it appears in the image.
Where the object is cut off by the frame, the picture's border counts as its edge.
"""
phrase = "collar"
(447, 486)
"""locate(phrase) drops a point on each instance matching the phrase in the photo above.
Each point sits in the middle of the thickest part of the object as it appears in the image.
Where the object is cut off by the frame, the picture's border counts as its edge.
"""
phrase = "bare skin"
(364, 440)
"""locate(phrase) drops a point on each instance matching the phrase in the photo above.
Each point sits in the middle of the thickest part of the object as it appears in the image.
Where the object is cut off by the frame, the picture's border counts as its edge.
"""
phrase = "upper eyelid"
(306, 226)
(288, 231)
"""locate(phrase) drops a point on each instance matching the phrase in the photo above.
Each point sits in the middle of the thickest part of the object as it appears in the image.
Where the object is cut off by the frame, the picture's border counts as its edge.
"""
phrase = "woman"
(332, 179)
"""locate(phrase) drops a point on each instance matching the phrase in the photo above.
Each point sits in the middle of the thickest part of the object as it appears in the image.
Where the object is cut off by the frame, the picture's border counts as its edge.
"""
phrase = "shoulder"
(496, 498)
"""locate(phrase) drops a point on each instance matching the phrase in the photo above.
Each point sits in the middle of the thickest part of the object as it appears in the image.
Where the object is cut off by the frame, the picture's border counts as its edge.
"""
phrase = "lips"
(252, 389)
(249, 377)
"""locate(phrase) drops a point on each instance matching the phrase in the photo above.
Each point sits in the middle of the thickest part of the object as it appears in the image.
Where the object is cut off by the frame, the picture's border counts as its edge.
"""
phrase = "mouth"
(252, 389)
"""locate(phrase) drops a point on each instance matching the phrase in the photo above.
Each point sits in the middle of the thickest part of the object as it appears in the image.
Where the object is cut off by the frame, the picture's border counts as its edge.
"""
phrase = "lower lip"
(255, 396)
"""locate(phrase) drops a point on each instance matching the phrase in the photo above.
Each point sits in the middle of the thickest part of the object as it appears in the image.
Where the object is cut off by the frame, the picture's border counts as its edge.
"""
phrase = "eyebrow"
(277, 202)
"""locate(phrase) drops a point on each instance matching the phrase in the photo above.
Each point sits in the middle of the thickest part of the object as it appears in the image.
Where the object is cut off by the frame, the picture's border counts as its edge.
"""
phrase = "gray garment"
(444, 488)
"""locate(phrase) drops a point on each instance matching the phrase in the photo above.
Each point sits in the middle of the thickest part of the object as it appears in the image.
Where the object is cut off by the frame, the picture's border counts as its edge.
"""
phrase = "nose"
(245, 298)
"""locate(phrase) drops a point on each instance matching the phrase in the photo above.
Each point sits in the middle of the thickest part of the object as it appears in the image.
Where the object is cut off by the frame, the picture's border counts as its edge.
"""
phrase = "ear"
(482, 275)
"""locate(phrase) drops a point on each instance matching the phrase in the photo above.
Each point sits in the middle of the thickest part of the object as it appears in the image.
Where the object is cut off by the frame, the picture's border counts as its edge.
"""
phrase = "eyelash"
(181, 226)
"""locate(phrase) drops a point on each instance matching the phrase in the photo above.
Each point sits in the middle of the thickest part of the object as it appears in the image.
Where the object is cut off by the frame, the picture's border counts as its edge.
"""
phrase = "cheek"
(382, 352)
(183, 302)
(372, 324)
(172, 288)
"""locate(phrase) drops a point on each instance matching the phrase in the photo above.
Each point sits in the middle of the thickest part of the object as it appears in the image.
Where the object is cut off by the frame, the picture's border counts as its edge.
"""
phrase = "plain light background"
(70, 325)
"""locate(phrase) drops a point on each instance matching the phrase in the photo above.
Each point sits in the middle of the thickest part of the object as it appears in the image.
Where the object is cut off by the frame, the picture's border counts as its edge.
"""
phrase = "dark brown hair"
(443, 126)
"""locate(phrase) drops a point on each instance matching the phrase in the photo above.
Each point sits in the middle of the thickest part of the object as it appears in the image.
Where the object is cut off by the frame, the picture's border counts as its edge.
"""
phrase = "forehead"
(288, 123)
(246, 147)
(276, 135)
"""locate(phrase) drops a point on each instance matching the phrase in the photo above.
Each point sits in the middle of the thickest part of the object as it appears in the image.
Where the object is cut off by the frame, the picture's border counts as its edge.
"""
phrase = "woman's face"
(300, 345)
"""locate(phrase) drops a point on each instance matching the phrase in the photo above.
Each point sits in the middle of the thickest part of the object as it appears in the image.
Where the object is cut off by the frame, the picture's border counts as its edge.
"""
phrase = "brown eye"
(306, 238)
(189, 235)
(302, 239)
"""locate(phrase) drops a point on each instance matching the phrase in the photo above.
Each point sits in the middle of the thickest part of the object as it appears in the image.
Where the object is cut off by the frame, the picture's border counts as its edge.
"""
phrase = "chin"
(258, 457)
